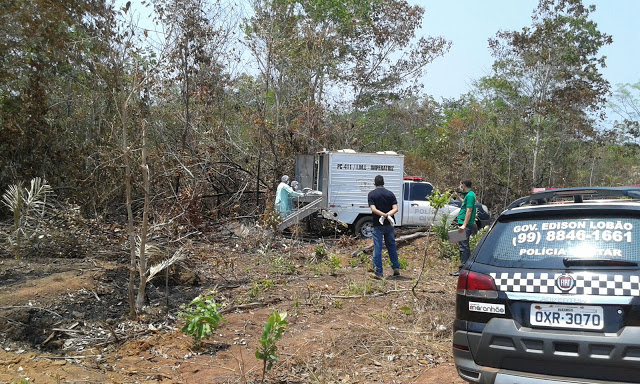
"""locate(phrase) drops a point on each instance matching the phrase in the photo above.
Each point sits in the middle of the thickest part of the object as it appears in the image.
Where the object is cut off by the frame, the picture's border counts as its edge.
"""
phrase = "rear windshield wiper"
(573, 262)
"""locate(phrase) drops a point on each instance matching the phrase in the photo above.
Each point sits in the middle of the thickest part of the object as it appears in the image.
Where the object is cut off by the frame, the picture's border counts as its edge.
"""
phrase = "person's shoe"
(396, 271)
(456, 273)
(377, 276)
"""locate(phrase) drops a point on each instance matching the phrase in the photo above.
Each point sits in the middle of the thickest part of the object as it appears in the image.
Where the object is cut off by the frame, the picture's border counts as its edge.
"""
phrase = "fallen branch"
(377, 294)
(48, 339)
(249, 305)
(399, 240)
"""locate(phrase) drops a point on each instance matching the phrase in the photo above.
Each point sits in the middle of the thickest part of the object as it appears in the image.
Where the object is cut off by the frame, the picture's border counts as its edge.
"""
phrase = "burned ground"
(64, 320)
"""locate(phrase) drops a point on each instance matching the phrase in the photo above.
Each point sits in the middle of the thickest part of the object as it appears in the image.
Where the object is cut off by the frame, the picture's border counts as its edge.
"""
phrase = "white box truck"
(340, 181)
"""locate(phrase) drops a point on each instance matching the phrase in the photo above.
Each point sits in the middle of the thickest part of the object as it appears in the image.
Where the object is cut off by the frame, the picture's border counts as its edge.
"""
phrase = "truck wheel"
(364, 227)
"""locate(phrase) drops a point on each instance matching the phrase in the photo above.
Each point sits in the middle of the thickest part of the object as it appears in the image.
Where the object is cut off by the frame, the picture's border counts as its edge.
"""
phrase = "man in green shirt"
(466, 221)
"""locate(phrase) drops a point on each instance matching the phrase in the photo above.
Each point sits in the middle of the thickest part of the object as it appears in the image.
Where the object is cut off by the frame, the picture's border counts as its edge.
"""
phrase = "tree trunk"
(536, 151)
(185, 90)
(130, 229)
(142, 263)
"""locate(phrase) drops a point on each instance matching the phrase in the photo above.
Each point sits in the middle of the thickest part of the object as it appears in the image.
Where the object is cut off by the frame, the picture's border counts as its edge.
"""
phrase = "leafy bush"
(334, 263)
(442, 229)
(448, 250)
(320, 252)
(267, 350)
(202, 318)
(438, 200)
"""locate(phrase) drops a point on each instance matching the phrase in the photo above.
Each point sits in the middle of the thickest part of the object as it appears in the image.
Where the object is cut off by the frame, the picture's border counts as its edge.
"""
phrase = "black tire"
(364, 227)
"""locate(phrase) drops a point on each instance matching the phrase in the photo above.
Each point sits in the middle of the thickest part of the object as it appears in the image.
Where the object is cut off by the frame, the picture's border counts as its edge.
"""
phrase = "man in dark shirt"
(383, 205)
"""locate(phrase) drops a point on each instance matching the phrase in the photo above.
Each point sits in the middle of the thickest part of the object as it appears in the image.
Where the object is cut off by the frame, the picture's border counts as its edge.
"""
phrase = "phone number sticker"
(603, 230)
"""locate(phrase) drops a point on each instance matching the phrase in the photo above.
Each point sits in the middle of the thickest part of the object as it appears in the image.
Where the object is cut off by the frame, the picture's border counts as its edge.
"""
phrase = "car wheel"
(364, 227)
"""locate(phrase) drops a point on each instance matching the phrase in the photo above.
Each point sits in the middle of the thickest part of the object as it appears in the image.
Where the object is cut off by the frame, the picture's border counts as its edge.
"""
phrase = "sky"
(468, 24)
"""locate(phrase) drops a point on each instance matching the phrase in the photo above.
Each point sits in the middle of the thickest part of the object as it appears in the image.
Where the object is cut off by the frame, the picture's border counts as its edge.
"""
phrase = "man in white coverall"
(284, 193)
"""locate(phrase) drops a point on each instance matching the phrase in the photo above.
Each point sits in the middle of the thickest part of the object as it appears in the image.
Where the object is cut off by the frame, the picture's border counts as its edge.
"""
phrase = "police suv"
(551, 293)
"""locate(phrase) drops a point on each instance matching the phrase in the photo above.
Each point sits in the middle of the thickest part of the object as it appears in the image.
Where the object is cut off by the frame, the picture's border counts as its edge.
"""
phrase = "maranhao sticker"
(486, 307)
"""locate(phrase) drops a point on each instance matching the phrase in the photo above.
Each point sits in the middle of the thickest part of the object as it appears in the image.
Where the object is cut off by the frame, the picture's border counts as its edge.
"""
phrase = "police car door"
(416, 207)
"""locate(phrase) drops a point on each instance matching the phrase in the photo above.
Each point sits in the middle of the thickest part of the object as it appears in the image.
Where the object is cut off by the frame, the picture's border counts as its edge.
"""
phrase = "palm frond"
(177, 256)
(12, 197)
(36, 196)
(150, 250)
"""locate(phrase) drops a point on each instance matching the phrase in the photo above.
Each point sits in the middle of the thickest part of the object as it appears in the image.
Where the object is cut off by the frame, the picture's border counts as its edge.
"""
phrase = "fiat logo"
(565, 283)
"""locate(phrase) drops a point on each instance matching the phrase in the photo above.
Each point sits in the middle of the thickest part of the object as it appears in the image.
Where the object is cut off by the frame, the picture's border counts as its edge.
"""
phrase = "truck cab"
(417, 210)
(414, 208)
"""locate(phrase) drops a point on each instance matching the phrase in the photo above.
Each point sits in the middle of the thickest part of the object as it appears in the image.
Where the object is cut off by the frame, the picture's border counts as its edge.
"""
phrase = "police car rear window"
(545, 243)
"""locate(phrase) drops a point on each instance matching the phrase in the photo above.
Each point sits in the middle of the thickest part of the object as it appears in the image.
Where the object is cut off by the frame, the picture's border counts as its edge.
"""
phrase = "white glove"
(391, 220)
(381, 220)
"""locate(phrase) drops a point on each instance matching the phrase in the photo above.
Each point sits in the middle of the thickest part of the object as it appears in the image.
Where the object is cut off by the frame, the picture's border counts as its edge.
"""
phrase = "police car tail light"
(475, 284)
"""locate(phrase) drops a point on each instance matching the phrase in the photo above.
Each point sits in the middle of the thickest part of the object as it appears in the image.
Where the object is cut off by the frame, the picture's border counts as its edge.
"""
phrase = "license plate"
(566, 316)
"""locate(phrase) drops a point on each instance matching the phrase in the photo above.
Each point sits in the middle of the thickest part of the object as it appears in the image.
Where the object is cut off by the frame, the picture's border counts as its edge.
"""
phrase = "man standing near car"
(384, 205)
(466, 221)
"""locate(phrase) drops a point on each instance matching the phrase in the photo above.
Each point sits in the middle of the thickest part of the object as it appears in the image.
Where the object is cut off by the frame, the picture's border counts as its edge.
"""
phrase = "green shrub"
(320, 252)
(267, 350)
(441, 229)
(448, 250)
(334, 263)
(201, 317)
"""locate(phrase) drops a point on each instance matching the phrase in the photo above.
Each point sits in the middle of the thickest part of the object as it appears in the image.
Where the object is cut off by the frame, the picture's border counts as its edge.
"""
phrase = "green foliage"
(267, 350)
(404, 263)
(260, 286)
(561, 100)
(281, 264)
(320, 252)
(442, 229)
(329, 265)
(201, 317)
(438, 199)
(448, 250)
(407, 310)
(51, 100)
(362, 288)
(334, 264)
(474, 240)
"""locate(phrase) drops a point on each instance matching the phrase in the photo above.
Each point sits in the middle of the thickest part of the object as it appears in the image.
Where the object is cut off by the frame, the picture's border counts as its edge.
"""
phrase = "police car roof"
(576, 194)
